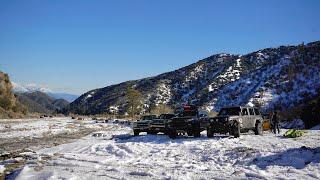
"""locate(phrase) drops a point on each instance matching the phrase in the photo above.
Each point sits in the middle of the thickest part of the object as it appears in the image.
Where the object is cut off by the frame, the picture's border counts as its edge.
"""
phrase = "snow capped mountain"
(272, 78)
(28, 88)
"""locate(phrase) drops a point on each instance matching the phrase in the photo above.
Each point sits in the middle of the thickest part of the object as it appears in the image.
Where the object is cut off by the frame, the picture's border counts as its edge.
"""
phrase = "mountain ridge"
(220, 80)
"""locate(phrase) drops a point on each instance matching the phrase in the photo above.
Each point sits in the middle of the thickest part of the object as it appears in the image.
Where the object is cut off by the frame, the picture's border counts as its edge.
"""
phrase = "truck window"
(148, 117)
(251, 111)
(166, 116)
(256, 111)
(245, 111)
(229, 111)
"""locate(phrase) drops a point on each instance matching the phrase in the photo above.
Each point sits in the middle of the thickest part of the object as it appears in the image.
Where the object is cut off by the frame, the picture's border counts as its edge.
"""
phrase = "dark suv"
(234, 120)
(188, 121)
(159, 124)
(142, 125)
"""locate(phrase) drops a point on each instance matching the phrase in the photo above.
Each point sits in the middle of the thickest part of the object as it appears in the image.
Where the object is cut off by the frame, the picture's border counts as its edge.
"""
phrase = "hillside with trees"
(10, 107)
(39, 102)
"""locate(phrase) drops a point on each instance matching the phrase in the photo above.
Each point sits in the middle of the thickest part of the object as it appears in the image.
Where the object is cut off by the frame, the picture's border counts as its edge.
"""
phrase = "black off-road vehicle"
(142, 125)
(234, 120)
(160, 124)
(189, 122)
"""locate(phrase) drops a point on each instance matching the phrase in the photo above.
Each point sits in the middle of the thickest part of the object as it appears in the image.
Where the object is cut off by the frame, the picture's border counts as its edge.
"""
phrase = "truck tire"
(152, 132)
(196, 133)
(172, 134)
(258, 130)
(136, 132)
(236, 130)
(210, 132)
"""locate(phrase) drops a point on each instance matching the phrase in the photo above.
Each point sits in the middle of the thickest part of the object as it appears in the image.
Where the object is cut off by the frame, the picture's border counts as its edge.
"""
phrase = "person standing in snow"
(275, 123)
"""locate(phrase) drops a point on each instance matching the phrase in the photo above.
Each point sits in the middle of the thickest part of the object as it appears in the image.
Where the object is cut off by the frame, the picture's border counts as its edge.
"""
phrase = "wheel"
(172, 134)
(258, 130)
(152, 132)
(196, 129)
(189, 133)
(136, 132)
(210, 133)
(166, 132)
(196, 133)
(236, 130)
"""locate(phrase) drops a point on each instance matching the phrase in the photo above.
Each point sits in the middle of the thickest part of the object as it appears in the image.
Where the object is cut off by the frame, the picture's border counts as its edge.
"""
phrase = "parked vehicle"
(160, 124)
(266, 122)
(234, 120)
(142, 125)
(189, 122)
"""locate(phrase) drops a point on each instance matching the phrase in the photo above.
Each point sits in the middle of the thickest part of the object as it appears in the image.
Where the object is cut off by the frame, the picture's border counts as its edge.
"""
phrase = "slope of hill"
(272, 78)
(39, 102)
(9, 106)
(65, 96)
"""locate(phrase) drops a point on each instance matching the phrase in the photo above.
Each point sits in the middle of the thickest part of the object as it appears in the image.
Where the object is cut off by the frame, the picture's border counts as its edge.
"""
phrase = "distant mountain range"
(272, 78)
(39, 102)
(18, 88)
(19, 104)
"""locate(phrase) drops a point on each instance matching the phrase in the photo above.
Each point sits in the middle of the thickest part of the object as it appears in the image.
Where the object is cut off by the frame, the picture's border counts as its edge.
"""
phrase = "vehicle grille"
(179, 123)
(220, 119)
(157, 124)
(142, 124)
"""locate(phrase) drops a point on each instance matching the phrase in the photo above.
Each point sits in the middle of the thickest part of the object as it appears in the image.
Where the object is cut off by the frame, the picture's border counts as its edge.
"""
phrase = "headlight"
(214, 120)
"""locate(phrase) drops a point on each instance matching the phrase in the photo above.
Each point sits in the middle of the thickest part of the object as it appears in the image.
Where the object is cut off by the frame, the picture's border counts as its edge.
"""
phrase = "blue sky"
(78, 45)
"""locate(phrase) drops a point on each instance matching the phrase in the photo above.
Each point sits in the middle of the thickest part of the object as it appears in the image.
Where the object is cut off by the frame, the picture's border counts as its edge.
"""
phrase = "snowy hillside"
(270, 78)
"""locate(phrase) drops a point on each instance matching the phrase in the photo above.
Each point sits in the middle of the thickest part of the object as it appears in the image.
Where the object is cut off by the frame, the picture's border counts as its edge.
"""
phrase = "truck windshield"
(166, 116)
(230, 111)
(148, 117)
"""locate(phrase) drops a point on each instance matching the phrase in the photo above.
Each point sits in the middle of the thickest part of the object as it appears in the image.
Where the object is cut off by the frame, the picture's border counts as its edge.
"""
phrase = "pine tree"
(161, 109)
(133, 101)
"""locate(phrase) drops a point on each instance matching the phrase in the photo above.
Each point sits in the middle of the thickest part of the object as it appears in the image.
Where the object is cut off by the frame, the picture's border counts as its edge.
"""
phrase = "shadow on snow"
(161, 138)
(295, 157)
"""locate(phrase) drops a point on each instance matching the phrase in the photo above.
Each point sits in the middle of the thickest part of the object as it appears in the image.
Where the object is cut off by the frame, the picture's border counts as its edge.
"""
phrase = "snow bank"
(2, 169)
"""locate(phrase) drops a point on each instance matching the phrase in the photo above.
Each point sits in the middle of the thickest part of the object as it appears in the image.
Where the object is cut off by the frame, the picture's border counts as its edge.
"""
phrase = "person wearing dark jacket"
(275, 123)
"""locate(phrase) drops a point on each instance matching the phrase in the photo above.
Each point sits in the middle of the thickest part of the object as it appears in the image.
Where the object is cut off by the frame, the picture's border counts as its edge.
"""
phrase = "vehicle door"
(252, 118)
(258, 114)
(245, 117)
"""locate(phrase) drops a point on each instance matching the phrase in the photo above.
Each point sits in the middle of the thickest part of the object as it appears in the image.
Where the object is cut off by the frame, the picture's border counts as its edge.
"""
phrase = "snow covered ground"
(34, 127)
(21, 128)
(115, 154)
